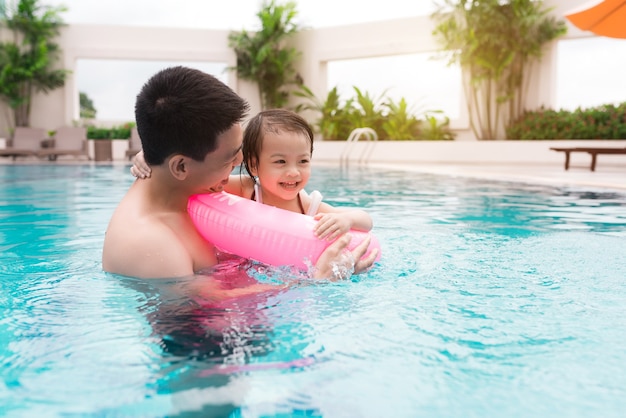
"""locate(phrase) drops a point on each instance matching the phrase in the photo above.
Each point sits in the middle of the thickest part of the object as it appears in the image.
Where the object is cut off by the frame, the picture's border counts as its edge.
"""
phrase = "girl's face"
(284, 165)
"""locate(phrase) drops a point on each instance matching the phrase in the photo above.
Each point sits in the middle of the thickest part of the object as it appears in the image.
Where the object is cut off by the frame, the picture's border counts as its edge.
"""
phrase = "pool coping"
(605, 177)
(613, 178)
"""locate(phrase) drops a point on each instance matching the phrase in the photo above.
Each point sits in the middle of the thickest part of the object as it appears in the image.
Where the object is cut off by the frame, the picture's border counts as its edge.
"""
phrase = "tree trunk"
(22, 115)
(22, 111)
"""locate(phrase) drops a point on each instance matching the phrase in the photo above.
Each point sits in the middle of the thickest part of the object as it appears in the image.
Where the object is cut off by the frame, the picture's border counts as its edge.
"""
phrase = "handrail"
(369, 134)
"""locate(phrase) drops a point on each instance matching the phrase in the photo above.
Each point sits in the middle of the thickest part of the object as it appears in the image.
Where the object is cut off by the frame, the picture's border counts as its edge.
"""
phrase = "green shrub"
(401, 124)
(391, 120)
(334, 120)
(121, 132)
(98, 133)
(602, 122)
(435, 129)
(114, 132)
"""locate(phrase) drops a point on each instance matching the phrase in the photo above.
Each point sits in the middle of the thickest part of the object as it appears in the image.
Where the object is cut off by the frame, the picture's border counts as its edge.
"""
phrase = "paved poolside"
(520, 161)
(605, 176)
(611, 177)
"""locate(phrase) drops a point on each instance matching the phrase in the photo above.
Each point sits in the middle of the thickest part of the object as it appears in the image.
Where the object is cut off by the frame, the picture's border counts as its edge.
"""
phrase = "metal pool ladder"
(369, 134)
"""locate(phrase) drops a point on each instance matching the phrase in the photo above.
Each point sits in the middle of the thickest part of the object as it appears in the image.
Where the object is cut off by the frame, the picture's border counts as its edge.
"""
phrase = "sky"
(233, 14)
(588, 72)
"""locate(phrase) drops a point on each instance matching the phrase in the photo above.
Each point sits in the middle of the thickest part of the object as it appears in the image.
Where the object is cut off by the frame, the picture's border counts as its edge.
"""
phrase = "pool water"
(491, 299)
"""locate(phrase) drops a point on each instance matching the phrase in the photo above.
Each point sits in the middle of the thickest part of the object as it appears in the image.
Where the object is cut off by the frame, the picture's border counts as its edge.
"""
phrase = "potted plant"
(102, 139)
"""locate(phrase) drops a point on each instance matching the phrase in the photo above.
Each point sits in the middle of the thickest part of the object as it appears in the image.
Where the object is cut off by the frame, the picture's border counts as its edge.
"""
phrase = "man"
(190, 128)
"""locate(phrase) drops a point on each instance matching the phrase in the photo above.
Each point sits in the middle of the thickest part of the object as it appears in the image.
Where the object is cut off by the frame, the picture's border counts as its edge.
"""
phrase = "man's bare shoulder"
(141, 245)
(145, 253)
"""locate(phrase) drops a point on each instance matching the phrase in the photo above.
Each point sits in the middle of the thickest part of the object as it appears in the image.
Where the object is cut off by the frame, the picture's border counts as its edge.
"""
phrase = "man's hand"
(337, 262)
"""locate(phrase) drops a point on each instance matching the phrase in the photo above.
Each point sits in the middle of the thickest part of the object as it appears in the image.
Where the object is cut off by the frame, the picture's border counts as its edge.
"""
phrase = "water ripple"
(491, 299)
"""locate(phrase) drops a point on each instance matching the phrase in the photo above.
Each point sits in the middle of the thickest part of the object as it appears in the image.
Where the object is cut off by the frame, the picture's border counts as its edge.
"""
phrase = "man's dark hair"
(184, 110)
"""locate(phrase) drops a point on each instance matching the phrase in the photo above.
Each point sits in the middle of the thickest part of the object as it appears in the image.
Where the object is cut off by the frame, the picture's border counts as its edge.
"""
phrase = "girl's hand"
(330, 225)
(140, 168)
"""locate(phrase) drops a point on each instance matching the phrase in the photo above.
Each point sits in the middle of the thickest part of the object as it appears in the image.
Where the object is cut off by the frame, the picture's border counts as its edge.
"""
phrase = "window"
(590, 72)
(113, 85)
(425, 83)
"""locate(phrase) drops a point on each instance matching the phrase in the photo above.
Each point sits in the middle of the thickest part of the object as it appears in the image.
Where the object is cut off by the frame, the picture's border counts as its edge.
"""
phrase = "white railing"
(370, 135)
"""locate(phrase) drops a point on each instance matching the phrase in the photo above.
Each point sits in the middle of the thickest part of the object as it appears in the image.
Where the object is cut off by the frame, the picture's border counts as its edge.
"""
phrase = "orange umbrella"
(605, 18)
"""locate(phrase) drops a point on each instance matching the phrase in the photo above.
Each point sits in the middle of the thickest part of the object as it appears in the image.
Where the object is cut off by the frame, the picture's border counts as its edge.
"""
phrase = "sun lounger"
(68, 140)
(134, 144)
(26, 142)
(589, 150)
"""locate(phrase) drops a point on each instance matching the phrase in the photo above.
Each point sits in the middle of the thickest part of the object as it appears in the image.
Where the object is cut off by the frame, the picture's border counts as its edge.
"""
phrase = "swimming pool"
(491, 299)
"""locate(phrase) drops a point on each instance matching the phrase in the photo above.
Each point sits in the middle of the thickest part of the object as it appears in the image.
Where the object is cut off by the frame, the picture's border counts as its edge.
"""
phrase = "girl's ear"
(254, 168)
(178, 166)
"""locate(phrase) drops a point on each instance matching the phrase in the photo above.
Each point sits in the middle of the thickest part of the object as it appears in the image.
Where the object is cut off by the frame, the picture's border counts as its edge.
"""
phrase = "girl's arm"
(332, 222)
(239, 185)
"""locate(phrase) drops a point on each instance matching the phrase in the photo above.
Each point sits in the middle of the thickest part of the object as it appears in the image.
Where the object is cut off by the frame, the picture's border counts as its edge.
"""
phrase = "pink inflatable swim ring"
(261, 232)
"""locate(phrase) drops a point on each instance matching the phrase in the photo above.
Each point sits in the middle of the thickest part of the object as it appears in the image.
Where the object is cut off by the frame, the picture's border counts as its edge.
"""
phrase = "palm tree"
(264, 56)
(496, 43)
(26, 62)
(87, 108)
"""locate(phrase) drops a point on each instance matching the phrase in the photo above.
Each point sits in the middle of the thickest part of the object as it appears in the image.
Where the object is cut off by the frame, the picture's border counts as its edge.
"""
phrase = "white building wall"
(401, 36)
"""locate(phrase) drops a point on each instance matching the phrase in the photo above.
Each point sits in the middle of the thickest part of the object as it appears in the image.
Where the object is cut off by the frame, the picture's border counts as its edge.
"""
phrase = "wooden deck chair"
(68, 140)
(134, 144)
(26, 142)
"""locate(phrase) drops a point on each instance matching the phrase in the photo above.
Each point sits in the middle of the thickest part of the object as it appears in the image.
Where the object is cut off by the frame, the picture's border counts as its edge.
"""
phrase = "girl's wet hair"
(270, 121)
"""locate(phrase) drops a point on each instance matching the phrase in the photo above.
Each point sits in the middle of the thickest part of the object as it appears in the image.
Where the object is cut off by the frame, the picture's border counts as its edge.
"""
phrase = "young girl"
(277, 150)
